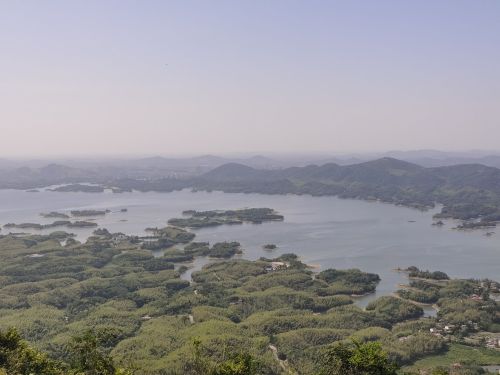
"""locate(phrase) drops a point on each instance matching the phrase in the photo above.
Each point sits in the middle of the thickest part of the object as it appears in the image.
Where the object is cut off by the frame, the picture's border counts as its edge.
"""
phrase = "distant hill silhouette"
(471, 190)
(467, 190)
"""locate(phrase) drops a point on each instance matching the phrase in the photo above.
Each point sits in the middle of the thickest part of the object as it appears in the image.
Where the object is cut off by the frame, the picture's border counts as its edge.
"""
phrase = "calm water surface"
(324, 231)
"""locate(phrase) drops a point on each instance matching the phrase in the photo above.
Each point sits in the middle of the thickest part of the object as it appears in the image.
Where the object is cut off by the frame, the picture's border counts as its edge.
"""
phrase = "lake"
(323, 231)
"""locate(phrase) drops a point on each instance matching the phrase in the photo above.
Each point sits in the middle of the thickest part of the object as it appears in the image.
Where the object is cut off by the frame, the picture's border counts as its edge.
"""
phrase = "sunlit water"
(323, 231)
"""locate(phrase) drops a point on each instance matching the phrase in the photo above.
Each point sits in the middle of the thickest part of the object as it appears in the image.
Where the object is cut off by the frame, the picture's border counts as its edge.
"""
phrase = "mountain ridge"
(467, 191)
(458, 187)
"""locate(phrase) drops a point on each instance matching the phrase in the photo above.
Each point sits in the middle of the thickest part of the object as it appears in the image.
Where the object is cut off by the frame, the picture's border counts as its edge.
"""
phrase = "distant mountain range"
(380, 172)
(424, 158)
(466, 190)
(200, 164)
(35, 173)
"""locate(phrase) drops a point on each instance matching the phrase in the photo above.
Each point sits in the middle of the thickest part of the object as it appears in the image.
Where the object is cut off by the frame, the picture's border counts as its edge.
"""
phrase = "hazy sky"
(84, 77)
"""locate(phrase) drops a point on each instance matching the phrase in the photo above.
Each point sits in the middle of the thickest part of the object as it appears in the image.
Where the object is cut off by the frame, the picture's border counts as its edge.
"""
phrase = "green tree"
(239, 364)
(356, 359)
(236, 364)
(197, 364)
(17, 358)
(87, 355)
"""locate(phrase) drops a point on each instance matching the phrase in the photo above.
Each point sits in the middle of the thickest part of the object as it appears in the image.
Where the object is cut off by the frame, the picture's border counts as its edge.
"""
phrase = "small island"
(482, 224)
(24, 226)
(57, 223)
(269, 246)
(117, 190)
(438, 223)
(79, 188)
(89, 212)
(82, 224)
(202, 219)
(54, 214)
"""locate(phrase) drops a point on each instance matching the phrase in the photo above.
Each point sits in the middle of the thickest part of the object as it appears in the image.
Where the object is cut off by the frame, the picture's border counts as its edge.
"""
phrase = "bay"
(323, 231)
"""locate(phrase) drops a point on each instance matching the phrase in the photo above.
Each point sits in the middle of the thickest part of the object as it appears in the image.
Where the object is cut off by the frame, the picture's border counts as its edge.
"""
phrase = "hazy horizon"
(297, 158)
(243, 155)
(108, 78)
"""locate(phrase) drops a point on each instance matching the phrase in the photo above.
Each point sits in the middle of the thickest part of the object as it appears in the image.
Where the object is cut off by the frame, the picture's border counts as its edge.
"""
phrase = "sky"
(104, 77)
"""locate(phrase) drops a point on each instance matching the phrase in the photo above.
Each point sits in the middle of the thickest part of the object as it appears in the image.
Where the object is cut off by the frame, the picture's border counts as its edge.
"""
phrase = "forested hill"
(384, 171)
(467, 191)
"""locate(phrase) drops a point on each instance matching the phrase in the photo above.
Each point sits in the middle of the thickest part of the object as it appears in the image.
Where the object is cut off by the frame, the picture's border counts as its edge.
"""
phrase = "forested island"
(79, 188)
(62, 223)
(201, 219)
(110, 297)
(89, 212)
(54, 214)
(57, 223)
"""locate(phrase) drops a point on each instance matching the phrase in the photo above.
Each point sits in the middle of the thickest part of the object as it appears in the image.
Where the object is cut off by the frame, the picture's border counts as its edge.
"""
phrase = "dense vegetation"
(162, 238)
(269, 316)
(201, 219)
(84, 355)
(417, 273)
